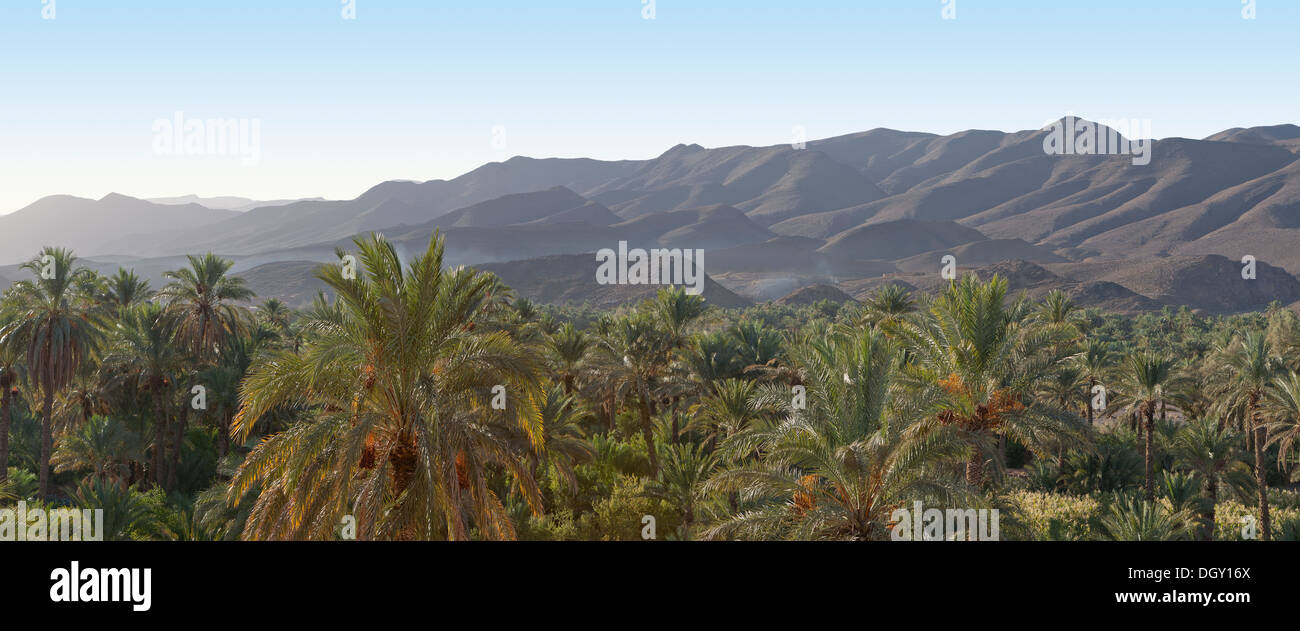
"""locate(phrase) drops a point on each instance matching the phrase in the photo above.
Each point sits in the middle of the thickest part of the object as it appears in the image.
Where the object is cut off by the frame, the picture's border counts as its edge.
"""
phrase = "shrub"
(1042, 516)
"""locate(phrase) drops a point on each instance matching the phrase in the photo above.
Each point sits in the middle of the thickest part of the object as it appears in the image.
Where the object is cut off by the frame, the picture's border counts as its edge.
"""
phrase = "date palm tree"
(146, 358)
(58, 326)
(681, 481)
(730, 407)
(887, 307)
(1213, 452)
(277, 315)
(1062, 389)
(11, 373)
(568, 348)
(1145, 379)
(973, 374)
(1247, 369)
(638, 350)
(675, 310)
(125, 289)
(102, 445)
(1133, 519)
(840, 467)
(201, 298)
(398, 426)
(1094, 364)
(1057, 309)
(756, 344)
(561, 443)
(1282, 413)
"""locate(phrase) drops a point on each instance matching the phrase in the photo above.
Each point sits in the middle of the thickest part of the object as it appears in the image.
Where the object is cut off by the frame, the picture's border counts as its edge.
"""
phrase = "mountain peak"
(683, 149)
(117, 197)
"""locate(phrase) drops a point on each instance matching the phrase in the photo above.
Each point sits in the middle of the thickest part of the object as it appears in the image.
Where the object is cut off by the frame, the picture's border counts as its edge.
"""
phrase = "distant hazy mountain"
(549, 206)
(1285, 135)
(852, 211)
(224, 202)
(91, 227)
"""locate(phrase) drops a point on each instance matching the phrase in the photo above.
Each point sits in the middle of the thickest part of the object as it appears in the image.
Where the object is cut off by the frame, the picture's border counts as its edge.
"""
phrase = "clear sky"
(412, 89)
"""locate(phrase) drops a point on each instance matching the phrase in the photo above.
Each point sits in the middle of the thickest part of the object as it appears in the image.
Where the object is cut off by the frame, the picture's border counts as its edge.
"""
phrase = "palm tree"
(1143, 383)
(839, 468)
(1247, 368)
(1131, 519)
(59, 328)
(146, 358)
(561, 441)
(730, 407)
(973, 373)
(1282, 411)
(711, 357)
(568, 348)
(125, 289)
(1058, 310)
(277, 315)
(201, 298)
(11, 372)
(1093, 363)
(223, 379)
(103, 445)
(125, 512)
(398, 430)
(1212, 452)
(675, 310)
(1061, 389)
(638, 351)
(681, 481)
(756, 344)
(887, 307)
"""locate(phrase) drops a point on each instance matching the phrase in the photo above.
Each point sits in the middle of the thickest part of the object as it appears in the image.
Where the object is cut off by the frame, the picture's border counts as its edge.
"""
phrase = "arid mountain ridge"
(850, 212)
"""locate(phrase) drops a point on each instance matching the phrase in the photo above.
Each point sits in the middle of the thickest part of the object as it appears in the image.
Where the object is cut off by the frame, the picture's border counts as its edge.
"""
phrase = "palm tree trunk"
(1087, 398)
(223, 433)
(159, 435)
(5, 418)
(47, 434)
(647, 430)
(613, 407)
(1210, 516)
(179, 437)
(1148, 461)
(1261, 483)
(975, 469)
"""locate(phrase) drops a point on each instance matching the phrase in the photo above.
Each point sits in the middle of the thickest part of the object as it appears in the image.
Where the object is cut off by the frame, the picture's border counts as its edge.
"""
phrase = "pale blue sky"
(412, 89)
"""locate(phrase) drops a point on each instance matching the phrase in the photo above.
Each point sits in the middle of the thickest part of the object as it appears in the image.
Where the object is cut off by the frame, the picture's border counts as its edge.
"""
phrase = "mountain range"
(845, 213)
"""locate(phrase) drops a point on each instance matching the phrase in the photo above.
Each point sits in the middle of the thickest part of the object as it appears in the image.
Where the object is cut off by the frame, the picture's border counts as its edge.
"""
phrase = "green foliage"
(1132, 519)
(1114, 464)
(770, 422)
(128, 514)
(1045, 516)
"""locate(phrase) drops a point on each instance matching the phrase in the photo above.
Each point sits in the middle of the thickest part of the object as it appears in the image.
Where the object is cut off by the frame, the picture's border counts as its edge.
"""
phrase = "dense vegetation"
(428, 403)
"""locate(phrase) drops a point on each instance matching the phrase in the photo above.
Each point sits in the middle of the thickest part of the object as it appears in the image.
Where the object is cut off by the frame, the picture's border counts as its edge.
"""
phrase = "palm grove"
(421, 402)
